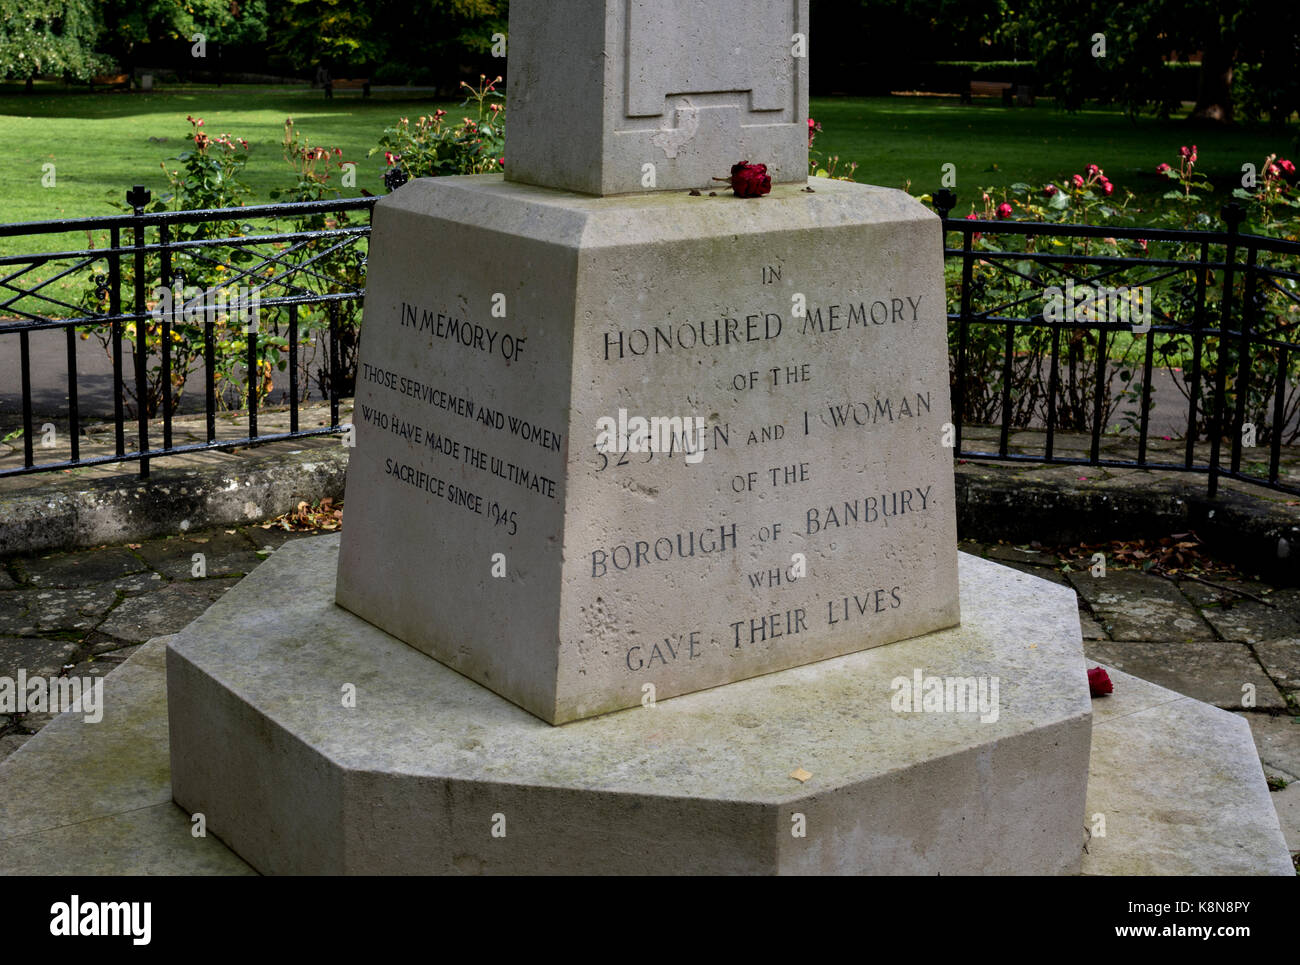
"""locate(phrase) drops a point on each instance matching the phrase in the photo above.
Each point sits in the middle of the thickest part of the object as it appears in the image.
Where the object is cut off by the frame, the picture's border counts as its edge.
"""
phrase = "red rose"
(749, 180)
(1078, 180)
(1049, 190)
(1099, 682)
(1004, 210)
(1107, 187)
(1163, 168)
(1286, 166)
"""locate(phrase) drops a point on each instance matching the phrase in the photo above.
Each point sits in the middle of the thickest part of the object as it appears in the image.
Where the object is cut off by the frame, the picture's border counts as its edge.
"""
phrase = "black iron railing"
(1219, 324)
(191, 282)
(1223, 304)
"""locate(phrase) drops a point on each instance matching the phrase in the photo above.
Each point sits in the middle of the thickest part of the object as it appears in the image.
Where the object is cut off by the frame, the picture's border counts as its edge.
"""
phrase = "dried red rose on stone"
(1099, 682)
(748, 180)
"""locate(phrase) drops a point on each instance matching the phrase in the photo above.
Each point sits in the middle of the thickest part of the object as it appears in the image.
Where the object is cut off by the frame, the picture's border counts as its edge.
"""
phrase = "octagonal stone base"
(429, 772)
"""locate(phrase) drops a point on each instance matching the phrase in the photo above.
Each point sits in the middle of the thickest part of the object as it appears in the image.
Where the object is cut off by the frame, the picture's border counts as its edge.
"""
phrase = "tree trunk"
(27, 88)
(1214, 98)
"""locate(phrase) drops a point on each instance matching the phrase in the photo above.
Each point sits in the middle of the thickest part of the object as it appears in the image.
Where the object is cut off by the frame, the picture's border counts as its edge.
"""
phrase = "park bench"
(355, 83)
(111, 80)
(990, 88)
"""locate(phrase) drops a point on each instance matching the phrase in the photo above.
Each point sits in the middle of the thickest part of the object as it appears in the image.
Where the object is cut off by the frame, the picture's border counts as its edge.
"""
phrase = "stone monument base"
(430, 772)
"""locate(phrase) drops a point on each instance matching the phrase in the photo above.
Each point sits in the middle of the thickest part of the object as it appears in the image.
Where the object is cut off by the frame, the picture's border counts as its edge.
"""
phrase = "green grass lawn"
(101, 143)
(900, 139)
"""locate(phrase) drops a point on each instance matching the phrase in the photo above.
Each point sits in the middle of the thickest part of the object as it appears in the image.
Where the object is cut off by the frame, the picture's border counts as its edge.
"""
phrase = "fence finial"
(138, 197)
(395, 178)
(945, 200)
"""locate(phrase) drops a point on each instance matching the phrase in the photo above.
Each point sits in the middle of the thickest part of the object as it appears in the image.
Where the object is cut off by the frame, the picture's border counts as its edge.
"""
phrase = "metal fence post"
(137, 198)
(1233, 214)
(944, 201)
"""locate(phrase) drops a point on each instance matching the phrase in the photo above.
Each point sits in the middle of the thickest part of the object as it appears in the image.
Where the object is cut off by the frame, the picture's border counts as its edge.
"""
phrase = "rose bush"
(1089, 197)
(434, 146)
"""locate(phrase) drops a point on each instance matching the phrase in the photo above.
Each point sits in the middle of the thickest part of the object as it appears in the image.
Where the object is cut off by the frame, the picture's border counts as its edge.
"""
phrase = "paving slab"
(1140, 606)
(224, 554)
(73, 770)
(1287, 804)
(95, 799)
(1278, 742)
(1281, 660)
(101, 664)
(167, 610)
(153, 840)
(1214, 671)
(11, 742)
(1042, 572)
(1203, 594)
(1251, 622)
(145, 581)
(1176, 788)
(44, 610)
(39, 656)
(1287, 600)
(273, 537)
(1089, 627)
(80, 568)
(1021, 554)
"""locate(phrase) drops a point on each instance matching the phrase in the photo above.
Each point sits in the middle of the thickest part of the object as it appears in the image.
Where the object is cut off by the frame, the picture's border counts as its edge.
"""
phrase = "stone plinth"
(599, 89)
(431, 773)
(812, 515)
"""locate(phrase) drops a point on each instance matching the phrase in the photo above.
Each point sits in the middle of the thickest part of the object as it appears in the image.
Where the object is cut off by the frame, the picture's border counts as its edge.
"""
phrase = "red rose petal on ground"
(1099, 682)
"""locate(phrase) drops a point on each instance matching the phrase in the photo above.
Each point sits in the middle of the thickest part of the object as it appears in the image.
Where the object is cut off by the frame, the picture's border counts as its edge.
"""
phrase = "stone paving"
(83, 613)
(1235, 644)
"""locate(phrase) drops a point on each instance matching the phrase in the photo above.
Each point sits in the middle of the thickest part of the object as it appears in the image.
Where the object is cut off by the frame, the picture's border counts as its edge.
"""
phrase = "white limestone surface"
(512, 337)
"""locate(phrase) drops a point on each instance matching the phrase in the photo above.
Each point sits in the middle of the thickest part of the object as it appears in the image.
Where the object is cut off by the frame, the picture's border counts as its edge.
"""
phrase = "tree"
(404, 39)
(48, 37)
(131, 23)
(1140, 37)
